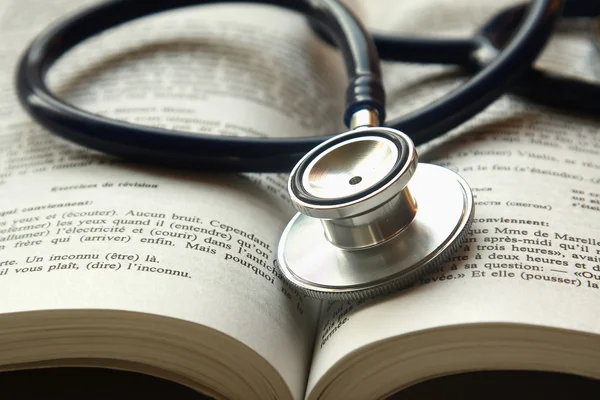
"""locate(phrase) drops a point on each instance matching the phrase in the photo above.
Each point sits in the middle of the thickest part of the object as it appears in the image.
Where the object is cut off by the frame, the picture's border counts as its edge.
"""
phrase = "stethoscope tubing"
(541, 87)
(187, 149)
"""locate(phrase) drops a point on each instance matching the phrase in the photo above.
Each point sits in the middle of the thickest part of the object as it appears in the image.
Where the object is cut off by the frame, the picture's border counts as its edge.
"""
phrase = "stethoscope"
(371, 218)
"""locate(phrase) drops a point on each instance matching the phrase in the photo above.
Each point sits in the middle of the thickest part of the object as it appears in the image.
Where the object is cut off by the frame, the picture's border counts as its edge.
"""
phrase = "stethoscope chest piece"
(370, 221)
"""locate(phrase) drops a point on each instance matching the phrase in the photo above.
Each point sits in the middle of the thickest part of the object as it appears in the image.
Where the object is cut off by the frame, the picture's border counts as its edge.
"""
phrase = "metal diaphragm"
(371, 219)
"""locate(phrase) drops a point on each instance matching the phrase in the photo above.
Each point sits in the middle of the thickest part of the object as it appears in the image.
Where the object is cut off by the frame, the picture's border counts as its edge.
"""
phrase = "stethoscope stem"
(371, 219)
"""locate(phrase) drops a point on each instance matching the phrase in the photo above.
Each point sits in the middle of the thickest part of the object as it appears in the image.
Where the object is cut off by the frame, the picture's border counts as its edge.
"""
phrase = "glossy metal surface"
(364, 117)
(354, 169)
(373, 227)
(331, 174)
(370, 200)
(320, 269)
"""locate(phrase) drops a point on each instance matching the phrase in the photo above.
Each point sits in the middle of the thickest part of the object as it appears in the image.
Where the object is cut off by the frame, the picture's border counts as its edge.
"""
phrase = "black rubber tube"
(187, 149)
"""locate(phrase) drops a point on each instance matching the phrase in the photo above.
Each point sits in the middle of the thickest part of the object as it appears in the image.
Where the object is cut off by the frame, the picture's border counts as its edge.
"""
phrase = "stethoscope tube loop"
(365, 90)
(186, 149)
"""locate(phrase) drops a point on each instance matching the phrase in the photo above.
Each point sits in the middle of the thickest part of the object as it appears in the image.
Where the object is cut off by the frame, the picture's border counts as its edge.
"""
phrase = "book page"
(81, 230)
(532, 256)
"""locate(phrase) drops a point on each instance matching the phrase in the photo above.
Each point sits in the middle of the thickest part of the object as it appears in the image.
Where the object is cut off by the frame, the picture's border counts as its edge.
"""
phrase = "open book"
(104, 262)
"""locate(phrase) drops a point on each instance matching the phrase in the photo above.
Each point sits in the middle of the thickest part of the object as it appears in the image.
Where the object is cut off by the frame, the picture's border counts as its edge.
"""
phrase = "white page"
(535, 177)
(99, 233)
